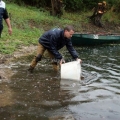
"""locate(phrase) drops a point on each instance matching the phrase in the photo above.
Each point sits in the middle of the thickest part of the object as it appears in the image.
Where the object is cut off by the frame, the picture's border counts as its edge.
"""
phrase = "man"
(4, 15)
(52, 41)
(99, 10)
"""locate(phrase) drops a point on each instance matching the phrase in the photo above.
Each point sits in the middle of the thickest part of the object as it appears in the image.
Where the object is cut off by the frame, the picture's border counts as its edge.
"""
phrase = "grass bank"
(28, 23)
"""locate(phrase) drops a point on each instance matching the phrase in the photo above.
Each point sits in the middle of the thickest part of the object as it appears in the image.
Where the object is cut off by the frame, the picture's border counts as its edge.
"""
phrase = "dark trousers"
(1, 28)
(97, 19)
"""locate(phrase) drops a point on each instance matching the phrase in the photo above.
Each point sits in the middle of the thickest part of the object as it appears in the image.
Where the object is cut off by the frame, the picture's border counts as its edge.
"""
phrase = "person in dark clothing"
(4, 15)
(52, 41)
(99, 10)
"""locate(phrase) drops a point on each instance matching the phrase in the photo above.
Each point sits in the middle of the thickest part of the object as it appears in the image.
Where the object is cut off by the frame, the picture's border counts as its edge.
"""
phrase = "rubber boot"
(31, 69)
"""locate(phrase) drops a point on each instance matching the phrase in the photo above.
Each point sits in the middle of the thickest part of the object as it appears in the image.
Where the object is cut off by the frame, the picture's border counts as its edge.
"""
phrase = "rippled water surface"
(43, 95)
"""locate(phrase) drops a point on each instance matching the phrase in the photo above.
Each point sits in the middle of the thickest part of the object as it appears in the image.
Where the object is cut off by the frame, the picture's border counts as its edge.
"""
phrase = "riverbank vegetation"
(29, 22)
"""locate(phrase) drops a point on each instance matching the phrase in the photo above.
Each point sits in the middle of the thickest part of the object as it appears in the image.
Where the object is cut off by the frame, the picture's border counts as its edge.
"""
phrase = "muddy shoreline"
(6, 73)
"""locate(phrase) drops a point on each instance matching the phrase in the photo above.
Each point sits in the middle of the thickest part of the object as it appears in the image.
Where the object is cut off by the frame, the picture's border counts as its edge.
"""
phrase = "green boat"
(79, 39)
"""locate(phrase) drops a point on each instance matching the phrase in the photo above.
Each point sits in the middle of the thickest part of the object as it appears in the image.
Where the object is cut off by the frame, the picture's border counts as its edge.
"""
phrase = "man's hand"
(9, 26)
(62, 61)
(79, 60)
(10, 31)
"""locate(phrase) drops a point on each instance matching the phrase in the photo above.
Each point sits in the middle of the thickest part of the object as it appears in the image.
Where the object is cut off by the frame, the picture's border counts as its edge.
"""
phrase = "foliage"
(28, 24)
(70, 5)
(74, 4)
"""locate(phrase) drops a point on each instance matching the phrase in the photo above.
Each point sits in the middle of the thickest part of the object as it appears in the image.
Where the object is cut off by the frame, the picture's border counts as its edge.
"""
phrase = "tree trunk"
(53, 6)
(56, 8)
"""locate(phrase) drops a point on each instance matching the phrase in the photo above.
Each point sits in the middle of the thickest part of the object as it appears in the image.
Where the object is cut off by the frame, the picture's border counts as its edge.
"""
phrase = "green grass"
(28, 24)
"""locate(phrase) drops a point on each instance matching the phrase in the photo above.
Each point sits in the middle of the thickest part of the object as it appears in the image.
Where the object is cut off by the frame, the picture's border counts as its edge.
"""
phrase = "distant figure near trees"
(57, 8)
(99, 10)
(4, 15)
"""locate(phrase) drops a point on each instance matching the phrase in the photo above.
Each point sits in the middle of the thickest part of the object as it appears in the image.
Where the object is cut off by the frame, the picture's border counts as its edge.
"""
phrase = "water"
(42, 96)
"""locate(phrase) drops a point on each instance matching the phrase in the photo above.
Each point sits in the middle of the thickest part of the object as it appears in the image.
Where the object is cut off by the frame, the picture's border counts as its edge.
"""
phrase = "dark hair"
(69, 27)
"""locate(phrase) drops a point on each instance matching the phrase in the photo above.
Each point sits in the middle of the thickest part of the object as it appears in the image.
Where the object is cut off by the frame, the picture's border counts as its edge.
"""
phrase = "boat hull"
(94, 39)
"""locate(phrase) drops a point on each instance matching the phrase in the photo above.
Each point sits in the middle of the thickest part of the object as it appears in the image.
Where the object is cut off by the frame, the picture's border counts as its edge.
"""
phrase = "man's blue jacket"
(54, 40)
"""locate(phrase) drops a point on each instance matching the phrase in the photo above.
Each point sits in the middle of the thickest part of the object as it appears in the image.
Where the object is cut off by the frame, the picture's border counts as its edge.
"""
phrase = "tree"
(56, 7)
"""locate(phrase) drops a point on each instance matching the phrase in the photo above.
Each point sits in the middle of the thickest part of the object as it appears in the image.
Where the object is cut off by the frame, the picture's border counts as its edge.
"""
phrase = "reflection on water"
(43, 95)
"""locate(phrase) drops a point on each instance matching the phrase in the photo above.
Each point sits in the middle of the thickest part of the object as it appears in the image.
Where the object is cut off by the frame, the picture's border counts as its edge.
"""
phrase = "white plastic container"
(71, 70)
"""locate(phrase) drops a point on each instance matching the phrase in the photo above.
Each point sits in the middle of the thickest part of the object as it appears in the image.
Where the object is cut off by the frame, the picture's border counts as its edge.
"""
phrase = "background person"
(4, 15)
(52, 41)
(99, 10)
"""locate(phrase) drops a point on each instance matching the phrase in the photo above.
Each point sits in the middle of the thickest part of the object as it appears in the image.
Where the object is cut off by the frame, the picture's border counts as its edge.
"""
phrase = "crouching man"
(52, 41)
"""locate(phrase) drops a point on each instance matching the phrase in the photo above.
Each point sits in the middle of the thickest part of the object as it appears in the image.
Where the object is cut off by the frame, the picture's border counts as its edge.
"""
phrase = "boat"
(87, 39)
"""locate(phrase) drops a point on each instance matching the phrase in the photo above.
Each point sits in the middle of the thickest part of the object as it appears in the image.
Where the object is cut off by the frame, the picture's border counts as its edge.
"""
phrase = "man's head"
(104, 3)
(68, 31)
